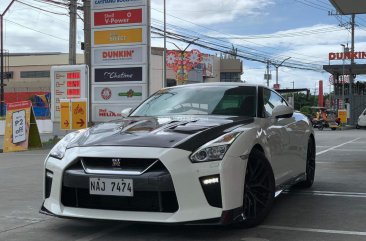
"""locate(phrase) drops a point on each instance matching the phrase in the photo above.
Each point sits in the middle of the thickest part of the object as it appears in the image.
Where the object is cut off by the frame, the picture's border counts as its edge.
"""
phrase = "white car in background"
(214, 153)
(361, 120)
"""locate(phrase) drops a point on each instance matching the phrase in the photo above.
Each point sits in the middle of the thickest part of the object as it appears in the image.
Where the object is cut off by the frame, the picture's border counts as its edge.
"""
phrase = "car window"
(197, 100)
(271, 100)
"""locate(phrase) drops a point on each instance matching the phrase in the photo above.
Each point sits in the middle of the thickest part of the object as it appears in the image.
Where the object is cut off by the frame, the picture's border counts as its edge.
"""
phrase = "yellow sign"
(65, 115)
(78, 114)
(21, 130)
(119, 36)
(342, 115)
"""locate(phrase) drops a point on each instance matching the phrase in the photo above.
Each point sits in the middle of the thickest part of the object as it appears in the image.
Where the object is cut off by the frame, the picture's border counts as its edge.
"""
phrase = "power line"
(36, 30)
(41, 9)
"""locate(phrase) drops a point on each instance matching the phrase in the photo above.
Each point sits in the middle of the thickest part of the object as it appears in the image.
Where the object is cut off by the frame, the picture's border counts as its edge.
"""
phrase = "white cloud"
(208, 12)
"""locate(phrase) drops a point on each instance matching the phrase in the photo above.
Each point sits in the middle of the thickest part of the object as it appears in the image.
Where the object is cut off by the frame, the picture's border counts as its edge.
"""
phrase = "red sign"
(347, 55)
(19, 105)
(121, 17)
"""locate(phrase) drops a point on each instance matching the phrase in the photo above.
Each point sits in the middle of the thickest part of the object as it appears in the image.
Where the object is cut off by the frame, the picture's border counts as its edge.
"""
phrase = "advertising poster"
(21, 131)
(128, 74)
(101, 4)
(119, 17)
(119, 55)
(119, 93)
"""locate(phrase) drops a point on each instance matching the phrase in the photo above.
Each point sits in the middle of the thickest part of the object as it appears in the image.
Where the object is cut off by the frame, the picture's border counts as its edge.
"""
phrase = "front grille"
(117, 164)
(143, 201)
(153, 188)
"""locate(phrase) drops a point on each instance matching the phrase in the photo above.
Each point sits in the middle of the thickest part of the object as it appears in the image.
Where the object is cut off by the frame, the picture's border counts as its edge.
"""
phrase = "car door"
(279, 133)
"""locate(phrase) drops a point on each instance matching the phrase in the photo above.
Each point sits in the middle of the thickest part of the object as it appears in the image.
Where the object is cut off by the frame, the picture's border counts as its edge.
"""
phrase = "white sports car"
(205, 153)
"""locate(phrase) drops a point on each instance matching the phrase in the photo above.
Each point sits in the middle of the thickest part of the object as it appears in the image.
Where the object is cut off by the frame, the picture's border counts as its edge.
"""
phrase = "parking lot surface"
(334, 209)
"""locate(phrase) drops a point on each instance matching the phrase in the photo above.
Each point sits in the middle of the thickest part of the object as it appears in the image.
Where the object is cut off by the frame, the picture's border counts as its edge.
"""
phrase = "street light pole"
(344, 51)
(279, 65)
(2, 58)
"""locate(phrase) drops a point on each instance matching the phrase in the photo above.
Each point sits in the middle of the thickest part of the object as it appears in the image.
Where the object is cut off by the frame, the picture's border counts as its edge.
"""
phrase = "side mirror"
(126, 112)
(282, 111)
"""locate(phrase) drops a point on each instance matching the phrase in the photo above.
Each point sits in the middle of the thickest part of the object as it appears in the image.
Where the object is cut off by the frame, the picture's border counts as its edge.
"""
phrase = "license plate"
(111, 187)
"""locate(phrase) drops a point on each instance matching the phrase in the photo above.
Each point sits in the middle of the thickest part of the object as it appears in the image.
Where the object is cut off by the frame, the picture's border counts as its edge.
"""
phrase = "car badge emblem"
(116, 162)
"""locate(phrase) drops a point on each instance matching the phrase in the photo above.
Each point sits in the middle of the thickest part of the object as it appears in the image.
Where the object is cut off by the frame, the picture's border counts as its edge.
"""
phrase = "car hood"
(184, 132)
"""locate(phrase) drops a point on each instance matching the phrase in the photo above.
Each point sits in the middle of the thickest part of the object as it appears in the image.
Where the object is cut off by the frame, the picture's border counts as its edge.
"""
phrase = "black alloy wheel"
(259, 190)
(310, 166)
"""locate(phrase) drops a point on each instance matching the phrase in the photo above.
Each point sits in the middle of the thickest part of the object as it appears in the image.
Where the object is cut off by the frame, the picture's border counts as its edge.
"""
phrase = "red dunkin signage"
(347, 55)
(118, 17)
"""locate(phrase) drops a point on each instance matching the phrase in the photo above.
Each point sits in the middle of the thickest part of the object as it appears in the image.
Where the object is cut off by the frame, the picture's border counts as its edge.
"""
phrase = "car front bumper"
(182, 178)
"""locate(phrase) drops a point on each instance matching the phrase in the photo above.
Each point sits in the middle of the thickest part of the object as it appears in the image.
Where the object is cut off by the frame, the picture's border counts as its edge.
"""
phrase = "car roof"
(218, 84)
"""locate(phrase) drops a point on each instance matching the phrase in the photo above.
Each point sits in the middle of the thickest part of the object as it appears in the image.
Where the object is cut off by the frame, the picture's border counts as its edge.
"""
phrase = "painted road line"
(313, 230)
(100, 234)
(328, 193)
(350, 150)
(334, 147)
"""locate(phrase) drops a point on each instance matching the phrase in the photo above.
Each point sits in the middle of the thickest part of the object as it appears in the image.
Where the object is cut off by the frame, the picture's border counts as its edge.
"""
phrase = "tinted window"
(199, 100)
(271, 100)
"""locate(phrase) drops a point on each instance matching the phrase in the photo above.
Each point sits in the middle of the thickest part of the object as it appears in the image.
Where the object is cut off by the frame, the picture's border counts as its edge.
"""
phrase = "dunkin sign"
(118, 55)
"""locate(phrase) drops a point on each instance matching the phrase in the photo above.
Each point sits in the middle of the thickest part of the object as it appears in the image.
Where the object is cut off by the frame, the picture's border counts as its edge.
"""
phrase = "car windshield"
(201, 100)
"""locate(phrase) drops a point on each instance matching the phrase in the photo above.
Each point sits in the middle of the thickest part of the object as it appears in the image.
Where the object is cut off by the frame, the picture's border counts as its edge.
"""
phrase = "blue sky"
(275, 29)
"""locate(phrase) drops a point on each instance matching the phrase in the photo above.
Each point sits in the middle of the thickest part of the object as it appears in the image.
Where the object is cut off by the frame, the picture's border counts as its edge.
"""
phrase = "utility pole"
(2, 58)
(267, 75)
(87, 50)
(164, 55)
(72, 32)
(351, 80)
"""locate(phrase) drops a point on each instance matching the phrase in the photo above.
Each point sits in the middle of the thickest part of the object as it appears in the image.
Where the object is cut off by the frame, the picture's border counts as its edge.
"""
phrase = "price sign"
(68, 82)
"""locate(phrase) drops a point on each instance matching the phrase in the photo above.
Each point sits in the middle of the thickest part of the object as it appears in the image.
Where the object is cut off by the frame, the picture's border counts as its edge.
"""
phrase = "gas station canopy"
(347, 7)
(358, 69)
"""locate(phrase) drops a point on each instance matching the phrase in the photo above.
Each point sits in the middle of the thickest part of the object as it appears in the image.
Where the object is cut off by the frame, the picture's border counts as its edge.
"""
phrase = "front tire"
(310, 166)
(259, 190)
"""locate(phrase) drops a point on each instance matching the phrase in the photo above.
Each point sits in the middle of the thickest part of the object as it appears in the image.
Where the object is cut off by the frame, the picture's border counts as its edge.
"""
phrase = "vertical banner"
(21, 130)
(79, 114)
(65, 117)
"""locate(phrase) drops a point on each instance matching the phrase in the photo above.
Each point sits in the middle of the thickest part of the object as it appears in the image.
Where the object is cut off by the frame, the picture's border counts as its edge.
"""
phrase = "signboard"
(79, 114)
(119, 17)
(65, 117)
(119, 93)
(119, 36)
(74, 114)
(99, 4)
(108, 112)
(67, 82)
(342, 115)
(347, 55)
(119, 55)
(128, 74)
(21, 130)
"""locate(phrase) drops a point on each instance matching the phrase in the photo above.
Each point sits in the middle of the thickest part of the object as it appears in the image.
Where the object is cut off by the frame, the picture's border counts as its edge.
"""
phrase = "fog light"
(211, 180)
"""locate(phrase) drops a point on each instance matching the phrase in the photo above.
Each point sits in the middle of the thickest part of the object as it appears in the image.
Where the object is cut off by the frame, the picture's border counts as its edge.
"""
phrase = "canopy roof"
(347, 7)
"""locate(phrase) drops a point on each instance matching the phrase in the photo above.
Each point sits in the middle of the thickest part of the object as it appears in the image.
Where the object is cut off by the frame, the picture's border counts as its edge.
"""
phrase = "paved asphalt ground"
(334, 209)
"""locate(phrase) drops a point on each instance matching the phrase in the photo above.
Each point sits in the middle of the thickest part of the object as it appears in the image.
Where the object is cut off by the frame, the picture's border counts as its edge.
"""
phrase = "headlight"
(58, 151)
(214, 150)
